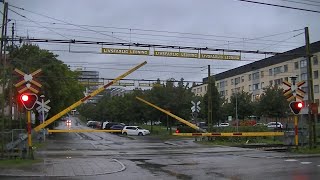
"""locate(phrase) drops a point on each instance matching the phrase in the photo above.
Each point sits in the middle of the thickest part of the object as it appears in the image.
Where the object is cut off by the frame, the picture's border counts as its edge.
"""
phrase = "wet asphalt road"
(149, 158)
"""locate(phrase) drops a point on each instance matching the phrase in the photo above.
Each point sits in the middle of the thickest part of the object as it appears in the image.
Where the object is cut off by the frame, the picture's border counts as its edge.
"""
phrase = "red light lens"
(25, 98)
(177, 131)
(300, 105)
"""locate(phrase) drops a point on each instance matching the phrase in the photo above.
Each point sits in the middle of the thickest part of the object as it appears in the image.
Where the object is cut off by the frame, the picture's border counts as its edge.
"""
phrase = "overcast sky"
(228, 24)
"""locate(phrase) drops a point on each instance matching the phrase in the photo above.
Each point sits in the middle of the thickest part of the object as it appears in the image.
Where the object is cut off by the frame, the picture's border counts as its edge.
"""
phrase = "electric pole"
(209, 101)
(3, 68)
(312, 132)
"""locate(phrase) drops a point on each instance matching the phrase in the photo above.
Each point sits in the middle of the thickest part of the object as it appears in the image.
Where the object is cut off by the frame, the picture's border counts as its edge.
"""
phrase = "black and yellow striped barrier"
(245, 134)
(82, 130)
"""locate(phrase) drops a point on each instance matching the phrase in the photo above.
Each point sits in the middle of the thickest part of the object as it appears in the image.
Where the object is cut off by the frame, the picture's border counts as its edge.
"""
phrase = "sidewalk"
(67, 167)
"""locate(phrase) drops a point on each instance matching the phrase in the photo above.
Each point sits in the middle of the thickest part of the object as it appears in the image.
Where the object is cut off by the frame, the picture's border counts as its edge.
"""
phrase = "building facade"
(91, 80)
(272, 71)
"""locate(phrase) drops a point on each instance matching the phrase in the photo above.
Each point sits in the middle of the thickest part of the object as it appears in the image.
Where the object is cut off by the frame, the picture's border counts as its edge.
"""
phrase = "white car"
(275, 125)
(135, 130)
(224, 124)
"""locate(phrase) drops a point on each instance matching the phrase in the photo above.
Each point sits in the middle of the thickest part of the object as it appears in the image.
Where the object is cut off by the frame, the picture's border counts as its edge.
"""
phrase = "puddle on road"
(152, 167)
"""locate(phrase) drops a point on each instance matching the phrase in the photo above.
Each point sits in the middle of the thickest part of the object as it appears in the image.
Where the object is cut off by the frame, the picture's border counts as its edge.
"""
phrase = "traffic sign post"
(292, 93)
(195, 110)
(43, 110)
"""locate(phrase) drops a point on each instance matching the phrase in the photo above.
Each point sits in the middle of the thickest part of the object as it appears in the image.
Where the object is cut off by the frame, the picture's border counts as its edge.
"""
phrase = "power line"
(37, 23)
(276, 5)
(283, 40)
(66, 22)
(297, 2)
(194, 38)
(73, 41)
(166, 32)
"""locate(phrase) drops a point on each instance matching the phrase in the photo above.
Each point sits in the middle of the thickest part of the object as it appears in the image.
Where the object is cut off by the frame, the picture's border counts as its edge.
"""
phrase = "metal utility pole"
(236, 91)
(312, 132)
(209, 101)
(3, 68)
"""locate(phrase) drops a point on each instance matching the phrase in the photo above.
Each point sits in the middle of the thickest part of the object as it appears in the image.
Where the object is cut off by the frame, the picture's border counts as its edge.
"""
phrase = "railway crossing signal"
(296, 107)
(28, 100)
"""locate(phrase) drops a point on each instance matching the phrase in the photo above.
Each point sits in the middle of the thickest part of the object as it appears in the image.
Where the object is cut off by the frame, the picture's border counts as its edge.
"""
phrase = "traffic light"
(28, 100)
(296, 107)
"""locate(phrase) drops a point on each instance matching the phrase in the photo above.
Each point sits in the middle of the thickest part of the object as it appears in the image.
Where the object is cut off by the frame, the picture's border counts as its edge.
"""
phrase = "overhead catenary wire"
(169, 32)
(193, 38)
(66, 22)
(38, 23)
(281, 6)
(298, 2)
(283, 41)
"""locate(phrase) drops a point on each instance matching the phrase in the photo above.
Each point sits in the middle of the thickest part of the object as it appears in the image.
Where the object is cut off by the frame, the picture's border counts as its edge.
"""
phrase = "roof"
(283, 57)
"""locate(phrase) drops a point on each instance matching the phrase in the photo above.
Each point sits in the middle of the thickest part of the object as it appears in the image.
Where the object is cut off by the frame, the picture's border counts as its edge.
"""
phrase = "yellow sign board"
(220, 56)
(175, 54)
(125, 51)
(169, 54)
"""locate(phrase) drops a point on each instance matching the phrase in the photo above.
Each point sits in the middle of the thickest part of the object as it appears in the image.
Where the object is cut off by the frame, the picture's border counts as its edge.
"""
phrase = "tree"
(216, 104)
(240, 101)
(59, 83)
(273, 103)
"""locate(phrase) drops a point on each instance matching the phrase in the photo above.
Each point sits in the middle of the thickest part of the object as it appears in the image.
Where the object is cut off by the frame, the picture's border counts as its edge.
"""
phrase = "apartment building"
(270, 71)
(91, 80)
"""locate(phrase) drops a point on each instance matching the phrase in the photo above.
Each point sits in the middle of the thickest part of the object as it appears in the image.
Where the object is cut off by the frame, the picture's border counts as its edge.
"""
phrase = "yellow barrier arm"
(76, 104)
(172, 115)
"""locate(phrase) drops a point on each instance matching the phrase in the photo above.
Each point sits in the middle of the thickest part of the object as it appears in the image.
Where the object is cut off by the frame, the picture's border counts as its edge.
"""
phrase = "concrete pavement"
(68, 167)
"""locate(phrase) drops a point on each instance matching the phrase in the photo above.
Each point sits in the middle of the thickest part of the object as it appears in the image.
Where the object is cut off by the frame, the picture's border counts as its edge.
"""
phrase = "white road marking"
(306, 162)
(290, 160)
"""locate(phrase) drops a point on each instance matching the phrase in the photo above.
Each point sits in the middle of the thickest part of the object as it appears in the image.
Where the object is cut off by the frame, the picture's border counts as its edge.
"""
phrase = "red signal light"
(296, 107)
(177, 131)
(24, 97)
(28, 100)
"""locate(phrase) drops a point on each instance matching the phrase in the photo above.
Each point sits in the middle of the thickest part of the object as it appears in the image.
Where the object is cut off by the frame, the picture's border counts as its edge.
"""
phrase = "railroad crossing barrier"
(232, 134)
(82, 130)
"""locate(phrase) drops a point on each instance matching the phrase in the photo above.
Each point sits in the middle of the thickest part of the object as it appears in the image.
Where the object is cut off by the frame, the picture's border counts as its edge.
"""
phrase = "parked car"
(135, 130)
(275, 125)
(224, 125)
(93, 124)
(117, 127)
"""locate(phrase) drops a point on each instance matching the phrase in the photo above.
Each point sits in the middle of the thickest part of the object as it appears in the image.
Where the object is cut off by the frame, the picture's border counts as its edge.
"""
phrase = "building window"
(316, 88)
(277, 70)
(262, 74)
(296, 65)
(250, 88)
(217, 85)
(226, 92)
(242, 78)
(242, 88)
(255, 75)
(255, 86)
(286, 79)
(303, 63)
(315, 75)
(285, 68)
(237, 80)
(262, 85)
(304, 76)
(315, 60)
(271, 83)
(277, 81)
(270, 72)
(317, 101)
(226, 83)
(305, 89)
(232, 91)
(231, 81)
(249, 76)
